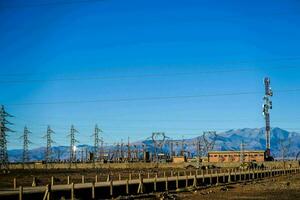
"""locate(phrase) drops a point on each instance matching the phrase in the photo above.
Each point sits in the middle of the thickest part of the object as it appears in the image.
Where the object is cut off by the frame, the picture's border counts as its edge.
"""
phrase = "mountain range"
(282, 141)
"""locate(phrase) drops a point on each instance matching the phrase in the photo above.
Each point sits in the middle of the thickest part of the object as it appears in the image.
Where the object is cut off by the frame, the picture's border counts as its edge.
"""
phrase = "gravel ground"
(285, 187)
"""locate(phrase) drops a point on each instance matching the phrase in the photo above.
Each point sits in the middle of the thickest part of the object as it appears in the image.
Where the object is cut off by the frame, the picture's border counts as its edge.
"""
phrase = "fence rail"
(142, 184)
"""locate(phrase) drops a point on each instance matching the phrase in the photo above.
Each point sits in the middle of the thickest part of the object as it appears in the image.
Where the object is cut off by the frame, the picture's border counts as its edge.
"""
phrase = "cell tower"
(266, 107)
(26, 143)
(3, 142)
(96, 142)
(73, 142)
(48, 156)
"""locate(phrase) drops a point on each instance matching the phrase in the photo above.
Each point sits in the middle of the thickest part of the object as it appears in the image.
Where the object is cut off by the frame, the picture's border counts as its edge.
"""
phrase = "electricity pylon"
(3, 141)
(48, 156)
(26, 143)
(96, 142)
(73, 142)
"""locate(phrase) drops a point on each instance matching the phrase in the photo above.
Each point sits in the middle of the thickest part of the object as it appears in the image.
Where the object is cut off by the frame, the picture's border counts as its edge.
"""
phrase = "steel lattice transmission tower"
(26, 143)
(3, 141)
(266, 107)
(96, 142)
(73, 142)
(48, 156)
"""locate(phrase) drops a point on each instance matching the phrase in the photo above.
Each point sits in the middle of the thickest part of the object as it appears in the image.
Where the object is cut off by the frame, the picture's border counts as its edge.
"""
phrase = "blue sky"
(143, 49)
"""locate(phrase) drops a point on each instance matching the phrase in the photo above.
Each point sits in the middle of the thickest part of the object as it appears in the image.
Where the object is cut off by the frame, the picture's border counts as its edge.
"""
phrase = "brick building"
(236, 156)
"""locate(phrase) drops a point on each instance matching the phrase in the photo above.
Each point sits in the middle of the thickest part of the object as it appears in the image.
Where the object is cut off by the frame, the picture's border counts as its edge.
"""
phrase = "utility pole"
(266, 107)
(96, 142)
(48, 156)
(73, 142)
(26, 143)
(3, 141)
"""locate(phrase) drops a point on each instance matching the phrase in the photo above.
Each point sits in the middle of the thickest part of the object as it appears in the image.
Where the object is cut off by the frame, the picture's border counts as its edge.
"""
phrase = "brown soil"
(279, 188)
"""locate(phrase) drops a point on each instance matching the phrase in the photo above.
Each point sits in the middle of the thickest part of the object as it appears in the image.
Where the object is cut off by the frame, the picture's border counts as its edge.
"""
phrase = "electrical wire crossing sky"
(137, 67)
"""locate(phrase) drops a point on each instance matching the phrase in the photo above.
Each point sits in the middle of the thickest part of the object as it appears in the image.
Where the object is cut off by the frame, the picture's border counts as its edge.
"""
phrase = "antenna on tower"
(48, 156)
(73, 142)
(3, 141)
(266, 107)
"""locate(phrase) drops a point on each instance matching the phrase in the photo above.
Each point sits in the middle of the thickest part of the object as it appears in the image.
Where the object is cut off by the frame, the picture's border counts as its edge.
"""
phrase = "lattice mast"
(48, 156)
(26, 143)
(3, 141)
(266, 112)
(128, 151)
(73, 142)
(96, 142)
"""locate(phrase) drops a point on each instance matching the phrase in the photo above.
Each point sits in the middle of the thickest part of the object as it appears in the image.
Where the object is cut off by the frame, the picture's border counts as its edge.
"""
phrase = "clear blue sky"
(126, 40)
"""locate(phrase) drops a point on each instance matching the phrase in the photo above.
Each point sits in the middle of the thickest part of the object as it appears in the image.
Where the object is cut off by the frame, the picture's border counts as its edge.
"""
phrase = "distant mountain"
(253, 139)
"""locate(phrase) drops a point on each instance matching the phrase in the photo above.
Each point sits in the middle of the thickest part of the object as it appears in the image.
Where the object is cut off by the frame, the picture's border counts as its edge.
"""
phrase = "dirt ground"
(279, 188)
(43, 177)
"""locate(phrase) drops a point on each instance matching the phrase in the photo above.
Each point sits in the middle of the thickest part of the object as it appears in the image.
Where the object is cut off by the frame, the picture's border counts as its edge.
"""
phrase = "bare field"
(284, 187)
(43, 177)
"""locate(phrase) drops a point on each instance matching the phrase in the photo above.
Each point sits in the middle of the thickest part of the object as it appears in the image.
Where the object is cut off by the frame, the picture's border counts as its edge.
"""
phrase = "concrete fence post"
(141, 185)
(33, 182)
(52, 180)
(177, 184)
(120, 178)
(20, 192)
(195, 183)
(72, 191)
(167, 188)
(127, 186)
(154, 186)
(96, 178)
(15, 183)
(111, 189)
(93, 190)
(82, 179)
(68, 180)
(186, 181)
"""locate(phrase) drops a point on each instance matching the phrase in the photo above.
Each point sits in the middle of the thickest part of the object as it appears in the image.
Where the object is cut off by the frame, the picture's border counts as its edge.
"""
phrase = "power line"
(137, 76)
(45, 4)
(148, 98)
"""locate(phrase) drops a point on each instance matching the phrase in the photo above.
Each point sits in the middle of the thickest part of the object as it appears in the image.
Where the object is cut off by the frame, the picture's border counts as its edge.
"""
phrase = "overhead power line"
(147, 98)
(19, 81)
(45, 4)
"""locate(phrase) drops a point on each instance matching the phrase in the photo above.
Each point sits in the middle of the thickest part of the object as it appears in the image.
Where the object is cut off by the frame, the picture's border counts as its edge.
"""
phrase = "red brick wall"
(235, 156)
